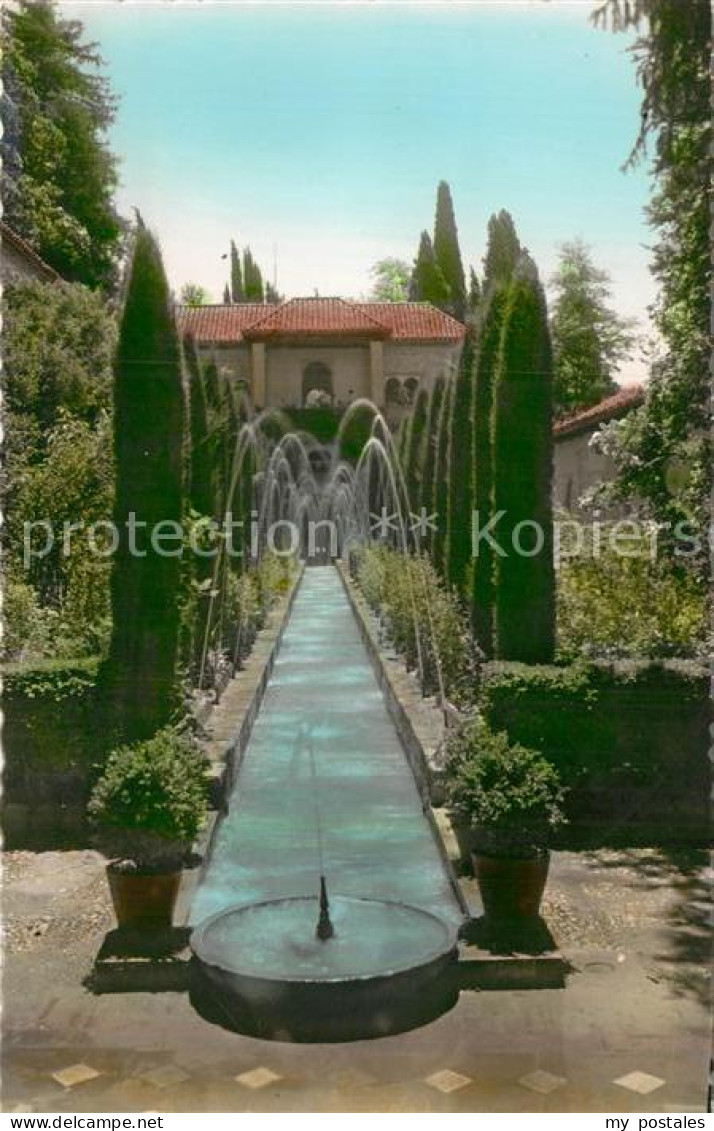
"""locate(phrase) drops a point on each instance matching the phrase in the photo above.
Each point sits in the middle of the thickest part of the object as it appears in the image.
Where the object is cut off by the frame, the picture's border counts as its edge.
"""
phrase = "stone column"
(376, 372)
(260, 390)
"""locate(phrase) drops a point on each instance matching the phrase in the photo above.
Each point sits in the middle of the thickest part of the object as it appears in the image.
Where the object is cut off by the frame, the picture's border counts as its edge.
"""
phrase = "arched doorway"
(316, 384)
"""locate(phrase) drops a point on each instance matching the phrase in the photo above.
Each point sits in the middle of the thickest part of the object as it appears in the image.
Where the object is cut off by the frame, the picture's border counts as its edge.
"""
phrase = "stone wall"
(578, 466)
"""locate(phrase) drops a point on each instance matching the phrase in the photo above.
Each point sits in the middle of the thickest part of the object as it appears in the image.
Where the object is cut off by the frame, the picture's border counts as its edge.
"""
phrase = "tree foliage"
(485, 367)
(440, 490)
(148, 445)
(193, 294)
(58, 344)
(237, 290)
(448, 253)
(590, 340)
(522, 475)
(427, 281)
(59, 175)
(252, 278)
(391, 280)
(672, 54)
(460, 478)
(502, 251)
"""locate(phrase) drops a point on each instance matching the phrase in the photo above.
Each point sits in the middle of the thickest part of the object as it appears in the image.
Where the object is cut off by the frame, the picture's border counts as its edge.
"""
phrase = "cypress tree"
(149, 411)
(200, 469)
(238, 290)
(416, 450)
(226, 295)
(487, 354)
(428, 500)
(522, 466)
(474, 299)
(460, 478)
(440, 492)
(252, 278)
(502, 251)
(427, 283)
(447, 252)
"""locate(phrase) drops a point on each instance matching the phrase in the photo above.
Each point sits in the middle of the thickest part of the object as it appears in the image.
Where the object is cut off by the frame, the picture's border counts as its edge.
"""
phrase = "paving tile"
(75, 1074)
(166, 1076)
(640, 1082)
(351, 1078)
(447, 1081)
(543, 1082)
(258, 1078)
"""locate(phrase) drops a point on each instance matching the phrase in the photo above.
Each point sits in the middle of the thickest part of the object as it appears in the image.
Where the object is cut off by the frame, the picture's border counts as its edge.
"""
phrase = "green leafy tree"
(672, 54)
(447, 251)
(590, 340)
(237, 279)
(59, 175)
(460, 477)
(149, 413)
(487, 355)
(522, 475)
(391, 280)
(272, 295)
(57, 352)
(193, 294)
(427, 282)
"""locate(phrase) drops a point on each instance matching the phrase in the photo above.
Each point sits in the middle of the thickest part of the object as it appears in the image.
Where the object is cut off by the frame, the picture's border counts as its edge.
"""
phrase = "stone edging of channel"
(420, 726)
(229, 728)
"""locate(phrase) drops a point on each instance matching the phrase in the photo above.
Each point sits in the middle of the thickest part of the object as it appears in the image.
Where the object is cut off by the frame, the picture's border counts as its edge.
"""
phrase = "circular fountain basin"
(388, 967)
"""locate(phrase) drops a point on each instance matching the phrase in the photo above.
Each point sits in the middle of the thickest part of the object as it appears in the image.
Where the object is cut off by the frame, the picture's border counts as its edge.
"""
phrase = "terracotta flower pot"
(511, 888)
(143, 899)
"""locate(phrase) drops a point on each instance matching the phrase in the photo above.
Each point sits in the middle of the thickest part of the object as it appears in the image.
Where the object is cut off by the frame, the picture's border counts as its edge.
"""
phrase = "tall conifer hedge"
(522, 475)
(149, 410)
(460, 477)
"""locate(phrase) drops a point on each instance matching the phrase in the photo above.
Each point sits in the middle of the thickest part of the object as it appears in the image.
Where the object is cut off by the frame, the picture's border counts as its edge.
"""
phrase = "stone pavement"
(630, 1032)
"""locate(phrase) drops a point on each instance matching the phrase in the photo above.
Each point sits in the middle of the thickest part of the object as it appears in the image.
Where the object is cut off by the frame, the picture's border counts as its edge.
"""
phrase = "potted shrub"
(510, 797)
(147, 808)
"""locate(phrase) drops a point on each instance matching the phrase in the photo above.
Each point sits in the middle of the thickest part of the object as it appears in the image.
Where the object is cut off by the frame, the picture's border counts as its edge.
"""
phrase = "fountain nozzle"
(324, 929)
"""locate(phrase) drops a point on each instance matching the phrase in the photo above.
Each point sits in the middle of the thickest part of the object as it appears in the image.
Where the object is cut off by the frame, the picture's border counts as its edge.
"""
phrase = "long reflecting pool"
(324, 788)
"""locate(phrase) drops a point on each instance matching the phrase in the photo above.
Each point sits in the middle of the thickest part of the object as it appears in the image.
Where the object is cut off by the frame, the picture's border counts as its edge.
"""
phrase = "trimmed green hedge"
(630, 739)
(55, 680)
(50, 724)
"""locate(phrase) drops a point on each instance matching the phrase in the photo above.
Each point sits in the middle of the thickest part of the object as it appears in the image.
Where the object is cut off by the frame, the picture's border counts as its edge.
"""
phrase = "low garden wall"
(630, 739)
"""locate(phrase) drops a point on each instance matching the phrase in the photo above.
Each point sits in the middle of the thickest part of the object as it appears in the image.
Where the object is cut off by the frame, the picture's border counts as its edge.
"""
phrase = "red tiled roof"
(23, 248)
(317, 316)
(219, 323)
(416, 321)
(329, 317)
(618, 404)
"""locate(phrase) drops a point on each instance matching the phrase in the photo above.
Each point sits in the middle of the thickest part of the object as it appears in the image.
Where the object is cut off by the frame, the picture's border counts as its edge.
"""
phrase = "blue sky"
(317, 133)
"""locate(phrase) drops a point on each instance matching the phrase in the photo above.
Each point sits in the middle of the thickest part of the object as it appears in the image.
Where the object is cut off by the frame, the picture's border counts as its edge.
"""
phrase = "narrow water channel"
(324, 755)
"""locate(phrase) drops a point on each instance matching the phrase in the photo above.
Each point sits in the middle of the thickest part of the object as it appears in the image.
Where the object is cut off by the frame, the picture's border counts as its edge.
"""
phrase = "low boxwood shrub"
(150, 800)
(509, 795)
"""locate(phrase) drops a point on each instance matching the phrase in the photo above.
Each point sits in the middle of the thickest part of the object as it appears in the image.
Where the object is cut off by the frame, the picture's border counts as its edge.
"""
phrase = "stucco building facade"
(578, 466)
(326, 350)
